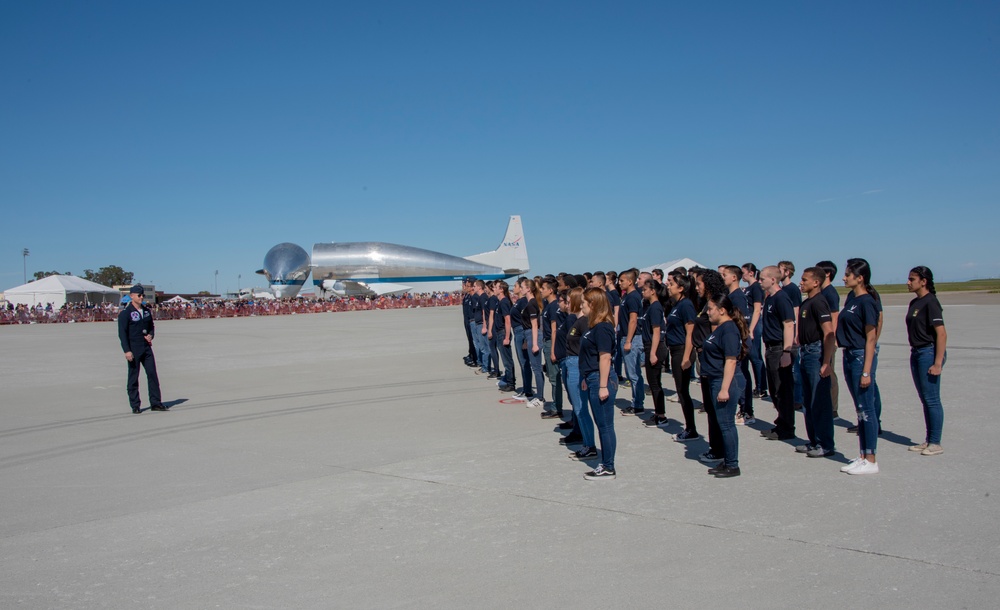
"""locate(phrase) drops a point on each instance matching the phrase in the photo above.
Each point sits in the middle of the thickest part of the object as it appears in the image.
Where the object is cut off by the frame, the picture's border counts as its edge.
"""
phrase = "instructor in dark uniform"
(135, 331)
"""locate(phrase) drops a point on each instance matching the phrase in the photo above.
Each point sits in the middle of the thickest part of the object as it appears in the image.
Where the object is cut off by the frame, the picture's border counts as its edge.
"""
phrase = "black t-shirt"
(631, 303)
(794, 293)
(858, 313)
(596, 341)
(815, 311)
(755, 294)
(832, 298)
(742, 305)
(492, 304)
(549, 315)
(467, 307)
(563, 327)
(652, 317)
(499, 324)
(531, 313)
(681, 314)
(477, 308)
(722, 343)
(515, 313)
(922, 317)
(777, 310)
(580, 326)
(702, 328)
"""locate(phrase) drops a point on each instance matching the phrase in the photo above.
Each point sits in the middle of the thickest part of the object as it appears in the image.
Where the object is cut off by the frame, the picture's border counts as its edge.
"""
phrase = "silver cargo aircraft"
(378, 268)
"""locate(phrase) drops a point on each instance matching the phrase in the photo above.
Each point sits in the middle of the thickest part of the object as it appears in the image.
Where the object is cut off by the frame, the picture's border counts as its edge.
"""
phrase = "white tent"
(669, 266)
(59, 290)
(177, 299)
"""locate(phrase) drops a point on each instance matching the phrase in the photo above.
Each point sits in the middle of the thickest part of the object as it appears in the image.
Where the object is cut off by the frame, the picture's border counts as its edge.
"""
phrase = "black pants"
(653, 373)
(780, 382)
(149, 363)
(715, 444)
(473, 356)
(746, 405)
(682, 379)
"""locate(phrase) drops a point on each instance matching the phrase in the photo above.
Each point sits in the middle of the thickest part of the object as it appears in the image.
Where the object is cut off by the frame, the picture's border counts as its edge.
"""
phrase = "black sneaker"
(571, 439)
(709, 458)
(717, 468)
(756, 393)
(550, 415)
(506, 388)
(727, 472)
(600, 473)
(852, 429)
(584, 453)
(656, 421)
(685, 435)
(136, 410)
(566, 425)
(493, 376)
(157, 408)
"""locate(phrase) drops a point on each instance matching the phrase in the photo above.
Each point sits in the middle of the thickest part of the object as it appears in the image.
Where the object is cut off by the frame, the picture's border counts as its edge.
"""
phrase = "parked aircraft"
(378, 268)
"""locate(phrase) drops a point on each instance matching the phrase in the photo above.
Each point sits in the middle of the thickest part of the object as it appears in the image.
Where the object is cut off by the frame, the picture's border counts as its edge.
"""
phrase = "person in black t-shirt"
(503, 335)
(928, 344)
(779, 339)
(655, 346)
(817, 344)
(731, 275)
(755, 296)
(833, 300)
(788, 285)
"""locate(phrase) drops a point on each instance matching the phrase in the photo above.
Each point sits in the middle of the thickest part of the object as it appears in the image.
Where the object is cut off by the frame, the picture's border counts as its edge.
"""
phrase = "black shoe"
(136, 410)
(656, 421)
(756, 393)
(158, 408)
(649, 391)
(632, 411)
(584, 454)
(571, 439)
(798, 406)
(493, 376)
(852, 429)
(506, 388)
(718, 467)
(727, 472)
(550, 415)
(774, 436)
(566, 425)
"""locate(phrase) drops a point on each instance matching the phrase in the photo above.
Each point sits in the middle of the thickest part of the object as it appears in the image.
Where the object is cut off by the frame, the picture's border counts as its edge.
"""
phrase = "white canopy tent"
(59, 290)
(177, 299)
(669, 266)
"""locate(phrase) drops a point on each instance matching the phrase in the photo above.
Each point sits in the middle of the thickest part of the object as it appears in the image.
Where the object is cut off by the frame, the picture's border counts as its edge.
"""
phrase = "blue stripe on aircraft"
(288, 282)
(410, 280)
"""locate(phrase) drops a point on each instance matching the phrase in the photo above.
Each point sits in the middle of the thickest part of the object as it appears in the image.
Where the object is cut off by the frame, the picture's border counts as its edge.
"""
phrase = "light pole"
(239, 278)
(24, 256)
(216, 282)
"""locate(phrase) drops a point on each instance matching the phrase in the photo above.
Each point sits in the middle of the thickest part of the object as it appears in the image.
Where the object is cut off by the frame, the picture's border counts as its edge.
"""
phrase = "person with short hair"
(653, 323)
(928, 353)
(550, 322)
(755, 296)
(503, 334)
(533, 313)
(630, 340)
(833, 300)
(779, 340)
(817, 345)
(731, 276)
(679, 329)
(135, 333)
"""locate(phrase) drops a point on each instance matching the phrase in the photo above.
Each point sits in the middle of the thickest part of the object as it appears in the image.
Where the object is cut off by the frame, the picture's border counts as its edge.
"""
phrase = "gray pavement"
(351, 460)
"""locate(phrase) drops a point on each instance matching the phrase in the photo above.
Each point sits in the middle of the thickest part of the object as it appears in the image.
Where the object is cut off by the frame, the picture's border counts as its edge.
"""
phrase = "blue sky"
(179, 138)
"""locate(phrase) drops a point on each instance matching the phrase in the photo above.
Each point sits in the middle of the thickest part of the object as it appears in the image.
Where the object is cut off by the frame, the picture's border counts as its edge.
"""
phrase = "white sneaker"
(853, 463)
(673, 398)
(520, 397)
(865, 467)
(534, 403)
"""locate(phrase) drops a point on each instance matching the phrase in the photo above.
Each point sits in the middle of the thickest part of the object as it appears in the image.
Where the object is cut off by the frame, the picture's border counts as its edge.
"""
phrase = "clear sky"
(179, 138)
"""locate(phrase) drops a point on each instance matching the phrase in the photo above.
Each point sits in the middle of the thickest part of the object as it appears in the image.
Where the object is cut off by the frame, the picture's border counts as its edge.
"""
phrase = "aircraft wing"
(381, 288)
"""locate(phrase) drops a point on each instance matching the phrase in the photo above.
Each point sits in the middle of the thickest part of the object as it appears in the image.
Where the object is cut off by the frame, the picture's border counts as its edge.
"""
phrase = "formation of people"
(740, 333)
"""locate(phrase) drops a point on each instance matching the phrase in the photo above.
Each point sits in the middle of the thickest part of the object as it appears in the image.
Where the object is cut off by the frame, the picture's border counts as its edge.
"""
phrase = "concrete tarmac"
(350, 460)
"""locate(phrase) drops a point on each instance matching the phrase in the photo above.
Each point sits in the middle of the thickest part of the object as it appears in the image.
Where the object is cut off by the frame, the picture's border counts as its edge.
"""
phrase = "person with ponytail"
(654, 294)
(928, 342)
(721, 352)
(680, 327)
(503, 333)
(597, 379)
(857, 334)
(533, 337)
(708, 284)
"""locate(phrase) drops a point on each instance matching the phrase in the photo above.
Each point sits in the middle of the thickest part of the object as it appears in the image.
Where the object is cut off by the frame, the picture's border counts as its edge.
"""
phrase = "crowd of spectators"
(220, 308)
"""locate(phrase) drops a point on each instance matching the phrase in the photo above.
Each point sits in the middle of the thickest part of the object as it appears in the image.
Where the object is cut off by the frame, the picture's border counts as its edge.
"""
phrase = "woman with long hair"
(856, 333)
(575, 326)
(928, 342)
(597, 378)
(721, 352)
(708, 284)
(533, 337)
(679, 328)
(503, 334)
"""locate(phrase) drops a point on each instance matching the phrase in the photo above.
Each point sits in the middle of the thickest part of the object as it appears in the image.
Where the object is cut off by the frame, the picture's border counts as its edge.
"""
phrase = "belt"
(773, 343)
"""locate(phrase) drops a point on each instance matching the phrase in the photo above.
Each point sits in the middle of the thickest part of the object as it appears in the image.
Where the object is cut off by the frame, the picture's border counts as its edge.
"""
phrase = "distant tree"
(204, 293)
(112, 275)
(43, 274)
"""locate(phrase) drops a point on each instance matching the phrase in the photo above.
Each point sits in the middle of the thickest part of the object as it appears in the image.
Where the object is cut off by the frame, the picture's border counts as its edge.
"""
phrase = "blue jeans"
(757, 359)
(507, 357)
(522, 358)
(494, 342)
(878, 395)
(482, 345)
(634, 359)
(929, 390)
(581, 413)
(797, 379)
(604, 415)
(726, 414)
(817, 405)
(535, 362)
(555, 378)
(864, 399)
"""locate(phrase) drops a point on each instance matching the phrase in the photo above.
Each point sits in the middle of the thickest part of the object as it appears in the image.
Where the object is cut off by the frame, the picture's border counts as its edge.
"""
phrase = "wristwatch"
(865, 375)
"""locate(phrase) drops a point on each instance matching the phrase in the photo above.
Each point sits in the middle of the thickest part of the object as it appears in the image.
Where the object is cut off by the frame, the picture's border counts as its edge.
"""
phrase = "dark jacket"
(133, 325)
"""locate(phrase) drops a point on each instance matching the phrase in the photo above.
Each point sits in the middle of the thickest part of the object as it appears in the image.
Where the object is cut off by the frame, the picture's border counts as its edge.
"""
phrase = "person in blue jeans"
(598, 380)
(856, 333)
(630, 340)
(817, 344)
(720, 354)
(928, 343)
(583, 424)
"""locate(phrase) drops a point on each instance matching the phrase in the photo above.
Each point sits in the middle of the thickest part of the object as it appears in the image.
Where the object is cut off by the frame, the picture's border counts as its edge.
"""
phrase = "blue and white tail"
(511, 255)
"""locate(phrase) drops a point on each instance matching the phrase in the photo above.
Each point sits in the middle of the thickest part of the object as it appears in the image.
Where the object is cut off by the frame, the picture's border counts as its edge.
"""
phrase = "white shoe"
(534, 403)
(853, 463)
(520, 397)
(865, 467)
(673, 398)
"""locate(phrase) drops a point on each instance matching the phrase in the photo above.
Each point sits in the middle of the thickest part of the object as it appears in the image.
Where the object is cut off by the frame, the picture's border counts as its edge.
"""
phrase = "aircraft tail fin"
(512, 254)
